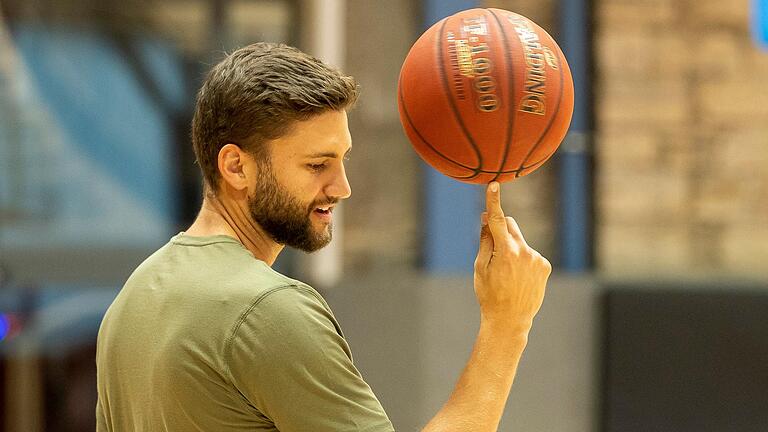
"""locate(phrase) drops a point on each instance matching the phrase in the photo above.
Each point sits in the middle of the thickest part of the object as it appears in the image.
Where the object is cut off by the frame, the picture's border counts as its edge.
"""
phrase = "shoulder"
(285, 318)
(287, 321)
(290, 305)
(258, 287)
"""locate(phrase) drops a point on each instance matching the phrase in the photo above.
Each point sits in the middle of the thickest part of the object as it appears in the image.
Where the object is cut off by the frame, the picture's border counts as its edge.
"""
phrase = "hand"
(510, 276)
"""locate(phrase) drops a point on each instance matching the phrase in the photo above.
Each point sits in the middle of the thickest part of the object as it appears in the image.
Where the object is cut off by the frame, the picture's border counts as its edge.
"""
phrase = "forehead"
(324, 133)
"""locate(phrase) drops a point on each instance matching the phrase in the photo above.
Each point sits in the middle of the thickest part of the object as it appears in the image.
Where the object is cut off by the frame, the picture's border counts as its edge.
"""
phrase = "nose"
(339, 188)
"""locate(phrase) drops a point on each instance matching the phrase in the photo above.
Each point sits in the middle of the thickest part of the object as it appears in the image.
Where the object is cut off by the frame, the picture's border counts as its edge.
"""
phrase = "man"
(205, 336)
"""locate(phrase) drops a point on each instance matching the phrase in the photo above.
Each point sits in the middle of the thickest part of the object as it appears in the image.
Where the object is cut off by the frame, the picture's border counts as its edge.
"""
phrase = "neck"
(231, 218)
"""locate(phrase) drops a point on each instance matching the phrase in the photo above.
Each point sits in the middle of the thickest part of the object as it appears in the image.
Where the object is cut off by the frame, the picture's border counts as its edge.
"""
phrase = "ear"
(232, 163)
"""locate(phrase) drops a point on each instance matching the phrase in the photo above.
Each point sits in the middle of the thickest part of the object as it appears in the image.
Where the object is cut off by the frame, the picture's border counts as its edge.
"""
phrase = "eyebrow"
(328, 154)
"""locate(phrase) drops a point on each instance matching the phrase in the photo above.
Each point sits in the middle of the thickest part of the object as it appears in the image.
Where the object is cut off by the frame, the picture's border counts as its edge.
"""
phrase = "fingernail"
(494, 186)
(484, 219)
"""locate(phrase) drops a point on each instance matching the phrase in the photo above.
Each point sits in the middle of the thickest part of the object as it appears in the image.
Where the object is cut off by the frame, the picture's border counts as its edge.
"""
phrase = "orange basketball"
(485, 94)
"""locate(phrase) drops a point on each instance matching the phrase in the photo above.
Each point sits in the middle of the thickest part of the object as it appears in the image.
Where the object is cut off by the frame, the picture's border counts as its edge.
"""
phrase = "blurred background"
(654, 211)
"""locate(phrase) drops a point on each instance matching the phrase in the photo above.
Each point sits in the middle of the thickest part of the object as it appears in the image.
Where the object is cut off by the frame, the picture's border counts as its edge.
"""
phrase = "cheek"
(304, 187)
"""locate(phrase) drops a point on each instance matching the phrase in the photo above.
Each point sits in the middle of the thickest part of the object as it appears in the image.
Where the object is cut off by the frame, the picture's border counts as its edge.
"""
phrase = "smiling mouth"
(324, 210)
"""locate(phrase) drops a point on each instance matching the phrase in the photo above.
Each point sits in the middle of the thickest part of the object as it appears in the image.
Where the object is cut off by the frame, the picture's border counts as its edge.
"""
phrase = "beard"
(283, 217)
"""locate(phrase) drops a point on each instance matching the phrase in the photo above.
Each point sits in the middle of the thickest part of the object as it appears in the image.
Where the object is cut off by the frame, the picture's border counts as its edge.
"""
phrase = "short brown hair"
(256, 94)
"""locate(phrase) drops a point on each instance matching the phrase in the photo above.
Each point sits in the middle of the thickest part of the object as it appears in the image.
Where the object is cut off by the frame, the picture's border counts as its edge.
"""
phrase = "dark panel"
(686, 360)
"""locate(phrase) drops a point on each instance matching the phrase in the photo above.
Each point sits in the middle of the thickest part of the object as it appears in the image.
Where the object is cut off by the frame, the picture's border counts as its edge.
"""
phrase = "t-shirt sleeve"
(288, 357)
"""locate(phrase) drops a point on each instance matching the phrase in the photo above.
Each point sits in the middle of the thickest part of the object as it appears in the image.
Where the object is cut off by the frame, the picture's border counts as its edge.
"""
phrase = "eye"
(346, 157)
(316, 167)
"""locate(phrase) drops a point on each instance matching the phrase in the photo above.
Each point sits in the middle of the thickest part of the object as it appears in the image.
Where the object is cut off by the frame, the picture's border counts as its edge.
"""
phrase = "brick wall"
(681, 140)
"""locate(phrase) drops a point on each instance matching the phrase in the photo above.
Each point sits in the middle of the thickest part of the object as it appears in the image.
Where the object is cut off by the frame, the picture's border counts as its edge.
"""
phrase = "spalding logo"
(550, 58)
(534, 95)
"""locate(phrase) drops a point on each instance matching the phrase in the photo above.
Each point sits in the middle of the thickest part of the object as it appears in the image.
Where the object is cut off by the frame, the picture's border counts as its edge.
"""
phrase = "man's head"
(270, 131)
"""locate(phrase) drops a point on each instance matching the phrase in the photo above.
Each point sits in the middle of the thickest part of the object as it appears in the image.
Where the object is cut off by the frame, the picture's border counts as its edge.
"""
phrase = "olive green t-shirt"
(204, 337)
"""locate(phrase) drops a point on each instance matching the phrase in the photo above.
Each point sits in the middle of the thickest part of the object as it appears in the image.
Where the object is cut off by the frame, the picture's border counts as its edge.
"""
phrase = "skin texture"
(284, 217)
(307, 170)
(307, 164)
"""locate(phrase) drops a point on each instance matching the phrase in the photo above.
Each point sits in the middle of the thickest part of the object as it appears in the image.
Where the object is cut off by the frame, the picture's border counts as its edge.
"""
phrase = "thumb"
(485, 250)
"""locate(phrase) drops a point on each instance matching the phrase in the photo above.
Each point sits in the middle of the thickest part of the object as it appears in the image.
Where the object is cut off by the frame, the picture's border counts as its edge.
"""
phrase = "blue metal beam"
(574, 154)
(451, 209)
(760, 23)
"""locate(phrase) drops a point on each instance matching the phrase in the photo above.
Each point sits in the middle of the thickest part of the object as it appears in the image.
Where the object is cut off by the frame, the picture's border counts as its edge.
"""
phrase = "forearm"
(478, 400)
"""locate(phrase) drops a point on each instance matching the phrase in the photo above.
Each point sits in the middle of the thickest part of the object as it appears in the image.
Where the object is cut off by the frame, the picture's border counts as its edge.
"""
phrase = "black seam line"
(552, 120)
(449, 94)
(416, 130)
(515, 171)
(511, 108)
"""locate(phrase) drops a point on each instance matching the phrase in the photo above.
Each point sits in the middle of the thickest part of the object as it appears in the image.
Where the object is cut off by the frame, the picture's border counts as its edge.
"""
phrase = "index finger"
(496, 221)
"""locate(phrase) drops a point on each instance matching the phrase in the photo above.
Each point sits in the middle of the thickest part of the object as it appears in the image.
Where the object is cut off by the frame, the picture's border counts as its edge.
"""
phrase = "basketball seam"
(421, 137)
(551, 121)
(539, 162)
(449, 94)
(477, 171)
(510, 71)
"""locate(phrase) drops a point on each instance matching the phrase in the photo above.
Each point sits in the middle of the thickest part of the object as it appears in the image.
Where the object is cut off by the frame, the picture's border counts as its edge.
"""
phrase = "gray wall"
(411, 336)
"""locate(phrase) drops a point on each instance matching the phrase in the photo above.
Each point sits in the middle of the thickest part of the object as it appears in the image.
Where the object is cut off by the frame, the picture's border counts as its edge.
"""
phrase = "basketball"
(484, 95)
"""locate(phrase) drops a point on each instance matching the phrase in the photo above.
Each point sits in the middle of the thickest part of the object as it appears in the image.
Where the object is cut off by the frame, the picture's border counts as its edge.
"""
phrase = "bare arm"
(510, 279)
